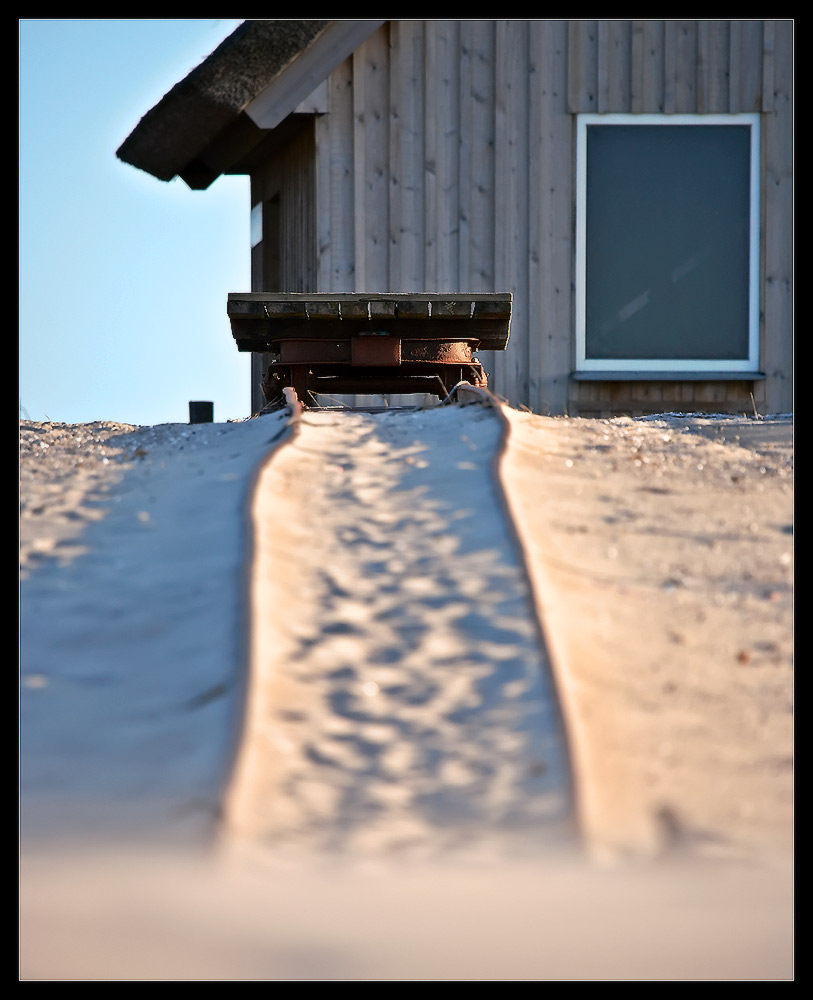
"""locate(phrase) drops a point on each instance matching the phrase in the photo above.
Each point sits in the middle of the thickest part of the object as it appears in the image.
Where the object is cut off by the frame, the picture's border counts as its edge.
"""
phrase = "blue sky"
(123, 278)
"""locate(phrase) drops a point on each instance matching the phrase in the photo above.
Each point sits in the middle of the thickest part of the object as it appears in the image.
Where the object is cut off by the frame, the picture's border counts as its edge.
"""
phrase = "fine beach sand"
(287, 711)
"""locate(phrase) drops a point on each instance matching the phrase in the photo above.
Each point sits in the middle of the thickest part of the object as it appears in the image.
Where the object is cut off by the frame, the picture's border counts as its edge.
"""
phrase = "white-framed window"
(667, 243)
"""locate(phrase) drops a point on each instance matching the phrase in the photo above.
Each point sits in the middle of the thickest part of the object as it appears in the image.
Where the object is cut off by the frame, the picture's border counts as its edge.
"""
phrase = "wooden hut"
(628, 181)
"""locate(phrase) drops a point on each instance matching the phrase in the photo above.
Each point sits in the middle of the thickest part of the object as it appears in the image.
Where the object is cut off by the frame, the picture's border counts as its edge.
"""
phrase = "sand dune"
(290, 704)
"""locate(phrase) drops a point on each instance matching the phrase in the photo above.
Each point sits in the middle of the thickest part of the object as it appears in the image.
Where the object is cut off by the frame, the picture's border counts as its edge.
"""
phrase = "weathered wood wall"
(286, 258)
(447, 163)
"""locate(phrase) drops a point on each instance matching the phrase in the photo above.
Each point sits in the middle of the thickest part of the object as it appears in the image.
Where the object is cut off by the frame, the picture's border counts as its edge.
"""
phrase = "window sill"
(666, 376)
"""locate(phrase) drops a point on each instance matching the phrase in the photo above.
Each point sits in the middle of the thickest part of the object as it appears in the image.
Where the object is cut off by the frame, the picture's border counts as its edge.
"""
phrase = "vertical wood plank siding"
(371, 148)
(447, 163)
(407, 156)
(778, 215)
(550, 285)
(647, 69)
(442, 156)
(477, 156)
(334, 193)
(614, 66)
(713, 66)
(290, 177)
(512, 200)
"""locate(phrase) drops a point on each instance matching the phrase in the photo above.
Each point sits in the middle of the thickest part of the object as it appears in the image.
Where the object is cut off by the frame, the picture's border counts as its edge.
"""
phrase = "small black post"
(201, 412)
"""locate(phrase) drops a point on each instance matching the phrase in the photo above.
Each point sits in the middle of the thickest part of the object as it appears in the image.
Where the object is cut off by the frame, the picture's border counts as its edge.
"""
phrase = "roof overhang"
(239, 97)
(310, 67)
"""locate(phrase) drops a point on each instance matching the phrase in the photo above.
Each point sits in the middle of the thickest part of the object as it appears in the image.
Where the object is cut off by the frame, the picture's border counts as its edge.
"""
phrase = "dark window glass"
(667, 242)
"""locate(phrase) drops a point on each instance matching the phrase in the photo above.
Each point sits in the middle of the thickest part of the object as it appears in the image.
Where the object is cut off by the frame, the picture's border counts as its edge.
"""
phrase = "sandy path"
(400, 698)
(662, 556)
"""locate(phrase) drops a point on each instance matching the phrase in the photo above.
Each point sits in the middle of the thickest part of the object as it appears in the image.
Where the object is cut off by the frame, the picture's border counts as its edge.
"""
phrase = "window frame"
(651, 365)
